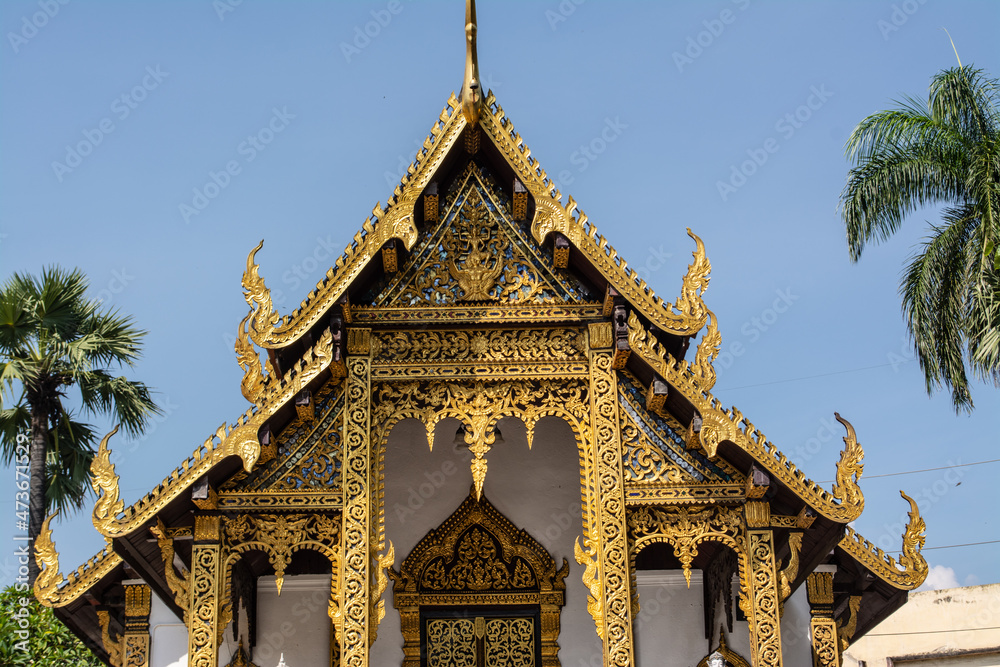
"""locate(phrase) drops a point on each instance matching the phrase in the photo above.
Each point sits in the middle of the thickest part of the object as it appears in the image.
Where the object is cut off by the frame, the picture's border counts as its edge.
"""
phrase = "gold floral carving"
(765, 634)
(703, 368)
(492, 315)
(685, 528)
(849, 468)
(719, 425)
(824, 642)
(476, 252)
(203, 608)
(135, 640)
(477, 557)
(612, 531)
(914, 567)
(356, 550)
(178, 582)
(479, 408)
(456, 347)
(280, 536)
(396, 220)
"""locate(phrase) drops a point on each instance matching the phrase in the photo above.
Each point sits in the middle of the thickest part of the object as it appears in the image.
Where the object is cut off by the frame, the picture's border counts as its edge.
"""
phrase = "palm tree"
(51, 338)
(945, 153)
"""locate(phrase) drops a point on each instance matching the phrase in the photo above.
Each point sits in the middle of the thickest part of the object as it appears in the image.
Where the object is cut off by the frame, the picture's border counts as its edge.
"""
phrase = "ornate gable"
(475, 252)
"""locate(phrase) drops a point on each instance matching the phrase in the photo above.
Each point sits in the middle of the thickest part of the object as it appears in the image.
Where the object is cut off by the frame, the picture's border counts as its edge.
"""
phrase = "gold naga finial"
(49, 578)
(913, 541)
(849, 468)
(472, 92)
(105, 483)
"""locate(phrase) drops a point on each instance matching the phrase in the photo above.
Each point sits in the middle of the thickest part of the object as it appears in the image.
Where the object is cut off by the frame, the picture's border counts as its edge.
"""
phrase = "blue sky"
(726, 117)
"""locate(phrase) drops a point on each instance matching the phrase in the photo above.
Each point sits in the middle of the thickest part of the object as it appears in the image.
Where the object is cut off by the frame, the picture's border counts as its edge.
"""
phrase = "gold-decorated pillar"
(822, 626)
(762, 586)
(355, 585)
(206, 579)
(136, 637)
(615, 581)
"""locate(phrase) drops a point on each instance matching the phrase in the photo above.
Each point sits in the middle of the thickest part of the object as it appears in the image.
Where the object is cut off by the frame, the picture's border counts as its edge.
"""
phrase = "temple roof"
(423, 260)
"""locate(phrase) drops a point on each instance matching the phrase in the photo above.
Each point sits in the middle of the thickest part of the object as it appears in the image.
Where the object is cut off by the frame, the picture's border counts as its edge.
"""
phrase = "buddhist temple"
(481, 440)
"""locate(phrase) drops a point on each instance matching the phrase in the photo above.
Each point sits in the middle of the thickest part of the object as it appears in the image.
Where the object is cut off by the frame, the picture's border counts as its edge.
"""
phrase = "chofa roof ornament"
(472, 91)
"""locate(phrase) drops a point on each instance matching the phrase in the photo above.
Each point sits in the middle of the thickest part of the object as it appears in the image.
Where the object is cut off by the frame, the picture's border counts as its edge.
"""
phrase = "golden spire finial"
(472, 93)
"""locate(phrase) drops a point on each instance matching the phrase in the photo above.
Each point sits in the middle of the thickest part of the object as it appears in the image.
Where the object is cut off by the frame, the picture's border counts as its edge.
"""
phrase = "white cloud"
(939, 577)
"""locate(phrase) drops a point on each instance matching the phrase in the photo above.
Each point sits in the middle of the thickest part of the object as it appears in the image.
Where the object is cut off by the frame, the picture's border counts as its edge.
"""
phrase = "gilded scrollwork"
(685, 528)
(791, 570)
(765, 635)
(113, 646)
(51, 588)
(105, 484)
(499, 346)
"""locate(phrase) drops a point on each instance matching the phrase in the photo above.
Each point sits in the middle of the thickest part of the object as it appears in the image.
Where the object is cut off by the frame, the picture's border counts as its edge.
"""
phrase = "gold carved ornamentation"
(914, 567)
(255, 375)
(731, 657)
(685, 528)
(205, 587)
(240, 439)
(379, 583)
(791, 570)
(420, 348)
(720, 425)
(280, 536)
(51, 588)
(822, 628)
(113, 647)
(491, 315)
(765, 633)
(683, 318)
(601, 336)
(703, 368)
(105, 484)
(472, 91)
(178, 582)
(241, 658)
(357, 530)
(845, 631)
(358, 340)
(396, 220)
(849, 468)
(477, 557)
(612, 531)
(479, 408)
(135, 640)
(476, 253)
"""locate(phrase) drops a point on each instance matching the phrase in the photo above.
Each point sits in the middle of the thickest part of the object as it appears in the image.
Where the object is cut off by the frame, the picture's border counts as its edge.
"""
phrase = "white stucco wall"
(167, 636)
(295, 623)
(537, 489)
